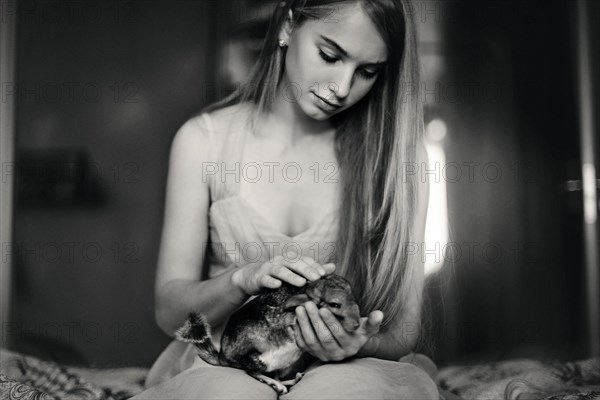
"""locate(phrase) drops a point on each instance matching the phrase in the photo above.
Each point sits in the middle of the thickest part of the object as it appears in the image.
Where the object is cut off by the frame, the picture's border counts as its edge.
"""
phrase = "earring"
(282, 43)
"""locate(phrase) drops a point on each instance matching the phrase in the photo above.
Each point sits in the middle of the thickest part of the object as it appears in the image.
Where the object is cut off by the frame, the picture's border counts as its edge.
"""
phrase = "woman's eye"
(368, 74)
(328, 59)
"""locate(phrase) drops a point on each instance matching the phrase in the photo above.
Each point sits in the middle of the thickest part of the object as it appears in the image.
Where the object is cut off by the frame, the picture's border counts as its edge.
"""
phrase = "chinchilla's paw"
(279, 387)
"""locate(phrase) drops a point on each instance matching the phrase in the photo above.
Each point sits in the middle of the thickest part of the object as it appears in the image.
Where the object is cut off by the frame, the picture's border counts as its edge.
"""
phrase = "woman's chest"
(293, 189)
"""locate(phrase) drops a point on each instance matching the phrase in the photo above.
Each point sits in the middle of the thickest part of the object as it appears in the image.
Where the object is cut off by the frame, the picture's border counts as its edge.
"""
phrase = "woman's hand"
(251, 278)
(319, 333)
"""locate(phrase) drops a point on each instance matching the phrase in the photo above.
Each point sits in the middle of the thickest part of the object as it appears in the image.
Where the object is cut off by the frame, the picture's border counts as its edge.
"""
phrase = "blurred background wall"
(102, 87)
(518, 289)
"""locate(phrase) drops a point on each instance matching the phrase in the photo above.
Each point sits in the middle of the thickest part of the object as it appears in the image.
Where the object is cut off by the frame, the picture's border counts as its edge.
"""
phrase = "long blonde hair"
(375, 140)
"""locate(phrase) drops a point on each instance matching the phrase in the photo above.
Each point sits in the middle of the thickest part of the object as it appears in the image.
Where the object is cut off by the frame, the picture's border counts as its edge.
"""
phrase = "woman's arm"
(317, 327)
(400, 337)
(178, 289)
(392, 344)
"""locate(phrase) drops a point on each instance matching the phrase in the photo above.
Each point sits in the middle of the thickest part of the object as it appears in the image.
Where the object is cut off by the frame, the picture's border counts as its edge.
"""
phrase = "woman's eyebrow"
(345, 53)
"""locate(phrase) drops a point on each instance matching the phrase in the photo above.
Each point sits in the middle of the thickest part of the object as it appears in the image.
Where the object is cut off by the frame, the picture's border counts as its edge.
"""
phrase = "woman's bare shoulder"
(199, 132)
(228, 120)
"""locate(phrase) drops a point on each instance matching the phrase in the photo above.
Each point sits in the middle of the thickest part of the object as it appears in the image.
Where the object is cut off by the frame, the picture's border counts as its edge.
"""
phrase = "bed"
(26, 377)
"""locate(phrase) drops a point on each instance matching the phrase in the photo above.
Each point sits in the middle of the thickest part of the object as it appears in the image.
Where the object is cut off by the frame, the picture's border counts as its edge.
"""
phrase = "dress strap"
(226, 150)
(209, 125)
(240, 144)
(216, 190)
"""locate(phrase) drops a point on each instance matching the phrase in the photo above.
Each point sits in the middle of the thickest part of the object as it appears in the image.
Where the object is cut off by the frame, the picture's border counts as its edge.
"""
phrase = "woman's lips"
(324, 103)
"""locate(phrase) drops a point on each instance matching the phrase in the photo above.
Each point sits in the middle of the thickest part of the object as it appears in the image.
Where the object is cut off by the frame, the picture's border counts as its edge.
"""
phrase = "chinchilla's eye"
(334, 305)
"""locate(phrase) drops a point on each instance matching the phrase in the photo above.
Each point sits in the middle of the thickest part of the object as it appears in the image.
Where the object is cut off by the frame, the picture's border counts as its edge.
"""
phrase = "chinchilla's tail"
(197, 331)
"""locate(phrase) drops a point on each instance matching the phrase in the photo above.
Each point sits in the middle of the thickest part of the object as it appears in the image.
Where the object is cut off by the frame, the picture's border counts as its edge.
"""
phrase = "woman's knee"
(366, 378)
(230, 383)
(210, 383)
(422, 385)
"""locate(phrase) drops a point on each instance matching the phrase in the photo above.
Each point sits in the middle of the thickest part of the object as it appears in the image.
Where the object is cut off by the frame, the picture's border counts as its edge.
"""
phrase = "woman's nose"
(341, 87)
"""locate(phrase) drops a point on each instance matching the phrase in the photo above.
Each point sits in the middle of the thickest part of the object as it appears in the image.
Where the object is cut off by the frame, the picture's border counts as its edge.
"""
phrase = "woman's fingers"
(374, 322)
(283, 273)
(340, 335)
(308, 334)
(312, 265)
(299, 339)
(323, 330)
(329, 268)
(307, 267)
(319, 332)
(269, 282)
(296, 272)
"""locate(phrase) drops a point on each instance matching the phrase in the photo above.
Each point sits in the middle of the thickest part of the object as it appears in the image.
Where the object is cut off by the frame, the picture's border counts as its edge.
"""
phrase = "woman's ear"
(286, 29)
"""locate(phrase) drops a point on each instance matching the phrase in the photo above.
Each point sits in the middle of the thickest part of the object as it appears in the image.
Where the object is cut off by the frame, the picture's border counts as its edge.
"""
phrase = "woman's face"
(334, 60)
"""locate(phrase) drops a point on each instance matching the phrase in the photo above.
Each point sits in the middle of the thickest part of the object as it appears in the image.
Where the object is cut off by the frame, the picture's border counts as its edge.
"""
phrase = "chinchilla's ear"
(296, 301)
(315, 294)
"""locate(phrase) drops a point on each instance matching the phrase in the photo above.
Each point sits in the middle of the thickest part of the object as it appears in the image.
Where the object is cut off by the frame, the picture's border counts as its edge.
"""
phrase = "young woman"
(305, 171)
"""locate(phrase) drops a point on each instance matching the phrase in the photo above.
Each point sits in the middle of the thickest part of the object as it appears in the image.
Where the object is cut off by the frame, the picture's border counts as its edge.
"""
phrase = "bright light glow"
(436, 226)
(590, 211)
(436, 130)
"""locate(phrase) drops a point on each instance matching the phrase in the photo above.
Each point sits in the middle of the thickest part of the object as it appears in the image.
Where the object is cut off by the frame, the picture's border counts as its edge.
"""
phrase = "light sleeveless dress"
(238, 235)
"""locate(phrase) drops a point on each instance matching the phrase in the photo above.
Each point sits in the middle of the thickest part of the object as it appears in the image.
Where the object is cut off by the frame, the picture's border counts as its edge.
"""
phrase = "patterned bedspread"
(522, 379)
(29, 378)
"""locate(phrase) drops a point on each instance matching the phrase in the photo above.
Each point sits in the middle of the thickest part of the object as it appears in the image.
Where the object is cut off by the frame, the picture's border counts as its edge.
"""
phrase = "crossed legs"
(365, 378)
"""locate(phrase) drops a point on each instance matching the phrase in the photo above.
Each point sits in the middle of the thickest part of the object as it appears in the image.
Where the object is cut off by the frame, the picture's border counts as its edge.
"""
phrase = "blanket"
(29, 378)
(522, 379)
